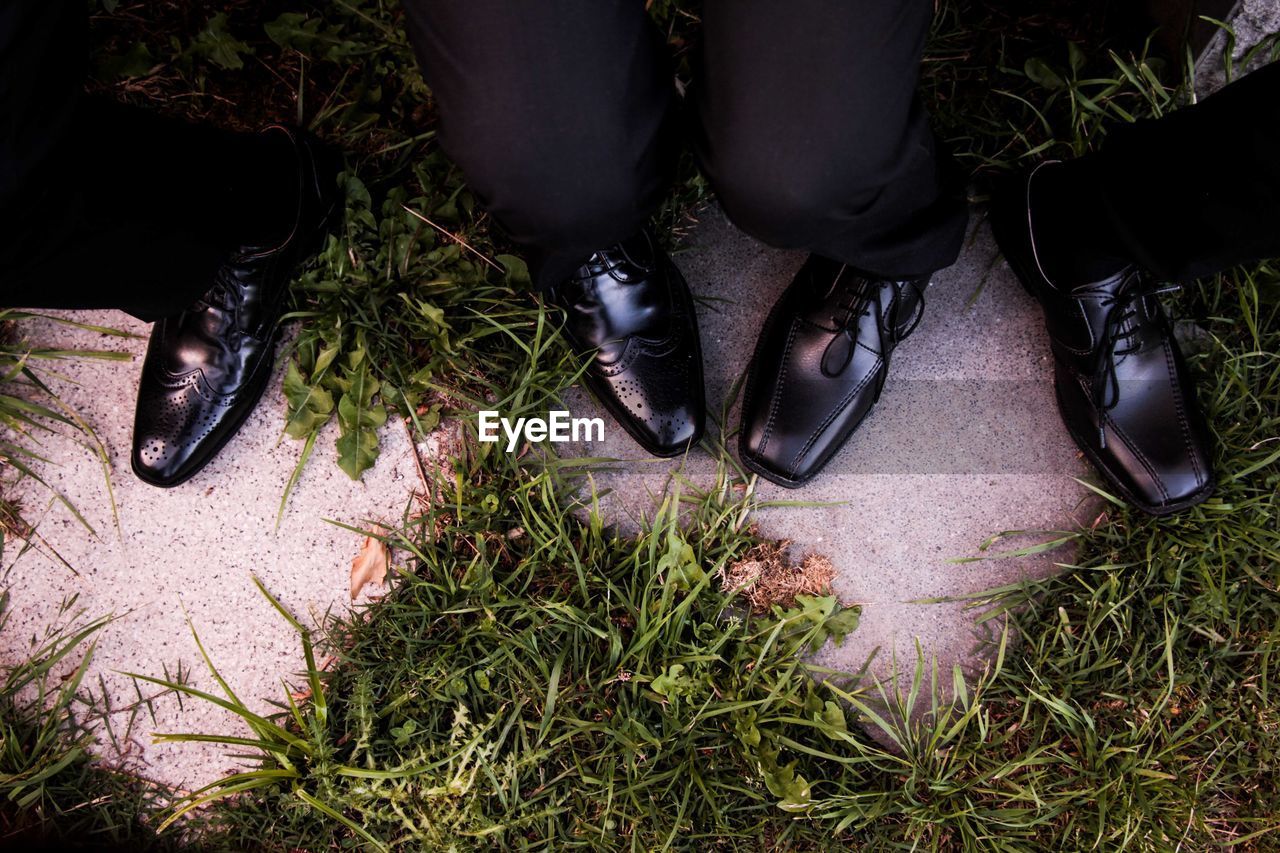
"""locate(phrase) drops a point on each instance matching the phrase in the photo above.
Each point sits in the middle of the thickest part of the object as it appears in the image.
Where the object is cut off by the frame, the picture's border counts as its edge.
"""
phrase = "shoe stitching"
(1142, 457)
(860, 343)
(622, 365)
(636, 347)
(173, 381)
(682, 366)
(777, 396)
(169, 379)
(1125, 492)
(878, 370)
(200, 383)
(813, 437)
(217, 429)
(817, 326)
(1184, 422)
(1077, 309)
(610, 265)
(754, 463)
(748, 394)
(1106, 420)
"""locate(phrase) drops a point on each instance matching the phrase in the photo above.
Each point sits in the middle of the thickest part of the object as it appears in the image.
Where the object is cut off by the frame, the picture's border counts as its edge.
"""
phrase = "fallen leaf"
(370, 565)
(765, 576)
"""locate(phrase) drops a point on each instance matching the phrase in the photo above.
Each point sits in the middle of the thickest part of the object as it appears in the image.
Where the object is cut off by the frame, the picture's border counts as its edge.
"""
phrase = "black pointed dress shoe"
(629, 310)
(1122, 386)
(207, 367)
(819, 366)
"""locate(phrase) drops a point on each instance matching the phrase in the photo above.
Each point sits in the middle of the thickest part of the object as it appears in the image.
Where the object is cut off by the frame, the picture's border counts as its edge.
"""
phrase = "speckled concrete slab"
(1251, 22)
(965, 443)
(189, 552)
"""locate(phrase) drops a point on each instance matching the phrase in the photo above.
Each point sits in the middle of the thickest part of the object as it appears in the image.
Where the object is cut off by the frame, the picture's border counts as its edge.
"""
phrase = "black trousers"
(1196, 191)
(564, 118)
(104, 206)
(804, 116)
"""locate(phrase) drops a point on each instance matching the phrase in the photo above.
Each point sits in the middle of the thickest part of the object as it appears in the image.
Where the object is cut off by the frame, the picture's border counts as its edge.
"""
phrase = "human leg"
(560, 115)
(814, 137)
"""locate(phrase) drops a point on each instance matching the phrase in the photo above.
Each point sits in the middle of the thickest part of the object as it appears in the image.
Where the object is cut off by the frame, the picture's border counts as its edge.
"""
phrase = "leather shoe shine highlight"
(629, 309)
(1122, 386)
(206, 368)
(819, 366)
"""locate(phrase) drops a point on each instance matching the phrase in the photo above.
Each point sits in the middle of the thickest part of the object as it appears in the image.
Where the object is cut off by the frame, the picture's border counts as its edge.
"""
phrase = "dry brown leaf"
(765, 577)
(370, 565)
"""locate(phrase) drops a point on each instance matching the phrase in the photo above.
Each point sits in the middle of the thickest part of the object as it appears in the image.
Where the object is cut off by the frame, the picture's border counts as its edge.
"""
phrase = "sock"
(1073, 237)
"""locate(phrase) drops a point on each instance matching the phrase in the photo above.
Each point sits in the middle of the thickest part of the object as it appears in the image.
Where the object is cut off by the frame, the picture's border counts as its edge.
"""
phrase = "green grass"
(51, 792)
(30, 413)
(535, 681)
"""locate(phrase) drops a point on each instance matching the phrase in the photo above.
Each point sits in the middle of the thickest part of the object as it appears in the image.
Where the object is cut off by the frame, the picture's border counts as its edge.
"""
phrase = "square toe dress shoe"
(819, 366)
(629, 310)
(206, 368)
(1123, 389)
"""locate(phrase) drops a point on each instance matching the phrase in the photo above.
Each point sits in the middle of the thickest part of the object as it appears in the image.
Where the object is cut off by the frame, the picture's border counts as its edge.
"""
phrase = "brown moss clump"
(765, 577)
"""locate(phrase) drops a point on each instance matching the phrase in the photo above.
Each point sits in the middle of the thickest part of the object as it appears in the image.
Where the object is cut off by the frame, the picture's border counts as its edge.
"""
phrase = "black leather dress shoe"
(819, 366)
(629, 307)
(1123, 389)
(207, 367)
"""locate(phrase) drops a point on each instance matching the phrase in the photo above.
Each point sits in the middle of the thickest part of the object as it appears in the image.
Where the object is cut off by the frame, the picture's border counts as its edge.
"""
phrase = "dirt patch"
(765, 576)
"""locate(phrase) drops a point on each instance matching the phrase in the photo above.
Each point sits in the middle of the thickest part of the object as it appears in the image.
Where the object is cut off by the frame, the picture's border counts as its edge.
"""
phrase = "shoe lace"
(1120, 338)
(856, 295)
(852, 302)
(221, 296)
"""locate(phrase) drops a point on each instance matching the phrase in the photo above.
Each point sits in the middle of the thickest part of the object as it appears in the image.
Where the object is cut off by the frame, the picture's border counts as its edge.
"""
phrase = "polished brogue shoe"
(207, 367)
(629, 310)
(1123, 390)
(819, 366)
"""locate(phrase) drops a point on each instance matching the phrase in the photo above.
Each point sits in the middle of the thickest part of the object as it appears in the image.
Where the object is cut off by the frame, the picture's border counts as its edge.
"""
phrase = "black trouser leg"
(1194, 192)
(813, 135)
(42, 63)
(103, 206)
(557, 111)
